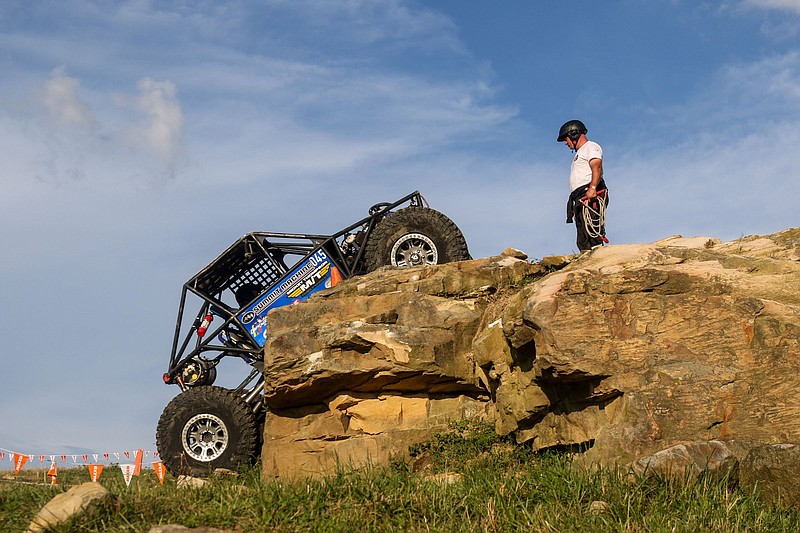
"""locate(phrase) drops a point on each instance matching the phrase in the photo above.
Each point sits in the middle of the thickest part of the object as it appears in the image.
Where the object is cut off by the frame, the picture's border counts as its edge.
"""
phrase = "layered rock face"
(623, 352)
(635, 348)
(376, 364)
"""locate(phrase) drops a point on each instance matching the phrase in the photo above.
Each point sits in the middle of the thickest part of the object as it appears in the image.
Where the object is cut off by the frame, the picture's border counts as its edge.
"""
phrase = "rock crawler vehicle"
(206, 427)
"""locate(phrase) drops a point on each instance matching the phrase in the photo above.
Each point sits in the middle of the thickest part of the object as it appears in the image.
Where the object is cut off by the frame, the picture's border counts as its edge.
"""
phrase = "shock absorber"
(201, 330)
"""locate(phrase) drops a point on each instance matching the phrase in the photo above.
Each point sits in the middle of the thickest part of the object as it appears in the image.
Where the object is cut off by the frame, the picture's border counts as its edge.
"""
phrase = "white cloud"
(162, 129)
(728, 174)
(64, 105)
(788, 5)
(372, 25)
(772, 83)
(60, 138)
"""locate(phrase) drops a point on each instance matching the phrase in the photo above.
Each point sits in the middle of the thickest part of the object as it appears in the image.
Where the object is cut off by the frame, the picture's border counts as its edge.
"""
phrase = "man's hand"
(596, 165)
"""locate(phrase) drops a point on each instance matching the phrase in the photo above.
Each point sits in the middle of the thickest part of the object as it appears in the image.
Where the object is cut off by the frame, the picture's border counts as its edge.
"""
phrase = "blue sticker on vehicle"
(308, 277)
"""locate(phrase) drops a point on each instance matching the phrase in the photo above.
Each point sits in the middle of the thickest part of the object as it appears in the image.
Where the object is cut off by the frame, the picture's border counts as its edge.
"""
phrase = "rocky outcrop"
(378, 363)
(636, 348)
(622, 352)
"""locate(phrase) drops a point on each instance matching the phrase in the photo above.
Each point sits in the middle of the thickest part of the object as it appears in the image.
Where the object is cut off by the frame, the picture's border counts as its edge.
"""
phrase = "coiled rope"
(594, 220)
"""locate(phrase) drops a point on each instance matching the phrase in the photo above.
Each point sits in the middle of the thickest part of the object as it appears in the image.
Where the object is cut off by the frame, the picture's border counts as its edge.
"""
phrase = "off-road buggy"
(207, 426)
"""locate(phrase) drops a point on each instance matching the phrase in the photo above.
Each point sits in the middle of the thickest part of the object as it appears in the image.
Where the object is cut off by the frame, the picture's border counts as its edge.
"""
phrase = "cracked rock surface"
(378, 363)
(636, 348)
(622, 352)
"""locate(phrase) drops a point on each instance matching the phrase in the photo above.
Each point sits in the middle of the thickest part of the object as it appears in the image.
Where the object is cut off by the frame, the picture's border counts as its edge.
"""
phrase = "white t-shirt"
(580, 173)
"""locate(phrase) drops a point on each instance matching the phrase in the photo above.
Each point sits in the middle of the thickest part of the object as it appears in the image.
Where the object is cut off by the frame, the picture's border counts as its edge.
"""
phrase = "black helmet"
(572, 129)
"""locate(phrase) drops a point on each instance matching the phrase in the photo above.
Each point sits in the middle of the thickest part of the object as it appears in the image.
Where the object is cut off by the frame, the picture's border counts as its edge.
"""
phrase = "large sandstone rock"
(356, 430)
(632, 349)
(623, 352)
(376, 364)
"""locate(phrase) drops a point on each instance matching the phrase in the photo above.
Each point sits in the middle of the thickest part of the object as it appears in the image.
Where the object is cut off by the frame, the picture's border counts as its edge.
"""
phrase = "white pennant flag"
(116, 454)
(127, 472)
(52, 458)
(74, 458)
(95, 457)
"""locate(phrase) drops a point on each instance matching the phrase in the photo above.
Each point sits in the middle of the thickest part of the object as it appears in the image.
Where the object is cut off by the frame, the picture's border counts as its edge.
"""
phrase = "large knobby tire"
(415, 236)
(205, 428)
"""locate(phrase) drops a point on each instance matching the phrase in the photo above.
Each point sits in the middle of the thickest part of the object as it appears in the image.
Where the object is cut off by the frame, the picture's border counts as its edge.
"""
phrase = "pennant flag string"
(129, 470)
(20, 459)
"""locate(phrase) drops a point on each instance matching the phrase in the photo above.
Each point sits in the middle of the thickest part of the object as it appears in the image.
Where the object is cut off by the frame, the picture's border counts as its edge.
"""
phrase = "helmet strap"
(574, 138)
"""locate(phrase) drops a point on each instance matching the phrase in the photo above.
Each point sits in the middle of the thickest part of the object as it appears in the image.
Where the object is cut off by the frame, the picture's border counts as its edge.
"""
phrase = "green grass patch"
(500, 487)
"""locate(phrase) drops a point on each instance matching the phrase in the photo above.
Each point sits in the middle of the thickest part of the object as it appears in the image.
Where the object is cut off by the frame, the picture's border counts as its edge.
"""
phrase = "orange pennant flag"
(336, 276)
(158, 466)
(94, 471)
(52, 474)
(138, 462)
(19, 462)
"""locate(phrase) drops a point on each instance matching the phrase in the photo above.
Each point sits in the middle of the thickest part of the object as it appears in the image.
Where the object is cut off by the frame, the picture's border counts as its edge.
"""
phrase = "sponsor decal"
(311, 275)
(310, 282)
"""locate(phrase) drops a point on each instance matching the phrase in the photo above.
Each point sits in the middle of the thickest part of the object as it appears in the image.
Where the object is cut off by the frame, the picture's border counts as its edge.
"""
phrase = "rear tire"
(415, 236)
(205, 428)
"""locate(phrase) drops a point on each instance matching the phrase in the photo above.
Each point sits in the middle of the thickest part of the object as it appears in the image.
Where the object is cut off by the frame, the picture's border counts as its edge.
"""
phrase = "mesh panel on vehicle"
(262, 272)
(244, 262)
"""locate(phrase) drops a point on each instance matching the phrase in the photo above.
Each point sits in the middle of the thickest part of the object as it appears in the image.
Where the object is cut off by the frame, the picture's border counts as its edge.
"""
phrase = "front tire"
(205, 428)
(415, 236)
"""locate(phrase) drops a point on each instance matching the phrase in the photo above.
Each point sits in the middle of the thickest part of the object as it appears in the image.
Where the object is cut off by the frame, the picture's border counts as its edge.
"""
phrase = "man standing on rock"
(589, 195)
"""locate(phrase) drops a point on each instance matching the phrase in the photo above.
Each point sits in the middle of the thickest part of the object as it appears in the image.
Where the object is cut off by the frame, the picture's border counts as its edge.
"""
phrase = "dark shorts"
(584, 241)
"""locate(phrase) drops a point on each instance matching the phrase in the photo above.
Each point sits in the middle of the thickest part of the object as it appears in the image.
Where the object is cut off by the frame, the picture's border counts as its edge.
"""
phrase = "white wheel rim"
(205, 437)
(414, 249)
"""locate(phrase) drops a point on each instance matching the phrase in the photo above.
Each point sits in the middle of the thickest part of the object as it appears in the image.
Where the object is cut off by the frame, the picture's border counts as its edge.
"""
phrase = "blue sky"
(140, 138)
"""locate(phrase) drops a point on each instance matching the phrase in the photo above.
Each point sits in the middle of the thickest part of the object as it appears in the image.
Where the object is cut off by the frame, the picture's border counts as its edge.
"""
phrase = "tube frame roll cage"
(260, 258)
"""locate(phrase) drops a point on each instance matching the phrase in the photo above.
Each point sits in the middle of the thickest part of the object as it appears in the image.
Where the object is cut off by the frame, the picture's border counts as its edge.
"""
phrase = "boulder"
(619, 353)
(716, 458)
(189, 482)
(378, 363)
(771, 472)
(78, 499)
(356, 430)
(632, 349)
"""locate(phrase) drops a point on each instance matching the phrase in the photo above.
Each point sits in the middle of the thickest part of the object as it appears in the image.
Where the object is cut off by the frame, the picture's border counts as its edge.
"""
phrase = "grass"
(501, 487)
